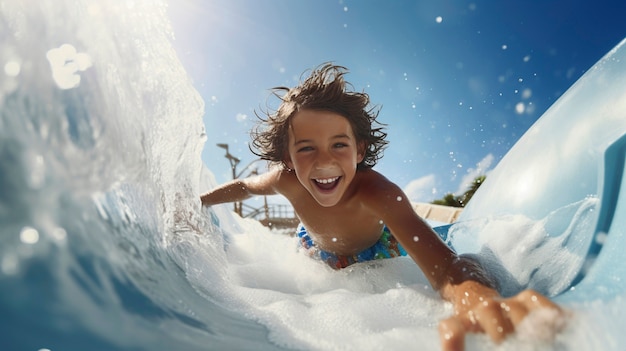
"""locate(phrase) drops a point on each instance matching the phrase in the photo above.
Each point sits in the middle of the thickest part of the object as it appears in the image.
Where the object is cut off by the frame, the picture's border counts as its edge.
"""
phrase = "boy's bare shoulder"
(374, 187)
(372, 182)
(285, 181)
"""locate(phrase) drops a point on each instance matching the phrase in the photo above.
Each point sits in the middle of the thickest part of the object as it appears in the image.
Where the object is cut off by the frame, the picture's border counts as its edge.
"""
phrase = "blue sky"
(458, 82)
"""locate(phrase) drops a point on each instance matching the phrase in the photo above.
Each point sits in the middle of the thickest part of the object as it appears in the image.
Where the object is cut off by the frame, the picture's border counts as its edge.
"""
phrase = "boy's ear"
(360, 154)
(289, 164)
(287, 161)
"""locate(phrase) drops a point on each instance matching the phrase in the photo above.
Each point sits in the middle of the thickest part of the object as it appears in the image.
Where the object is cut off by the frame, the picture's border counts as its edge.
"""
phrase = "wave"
(100, 141)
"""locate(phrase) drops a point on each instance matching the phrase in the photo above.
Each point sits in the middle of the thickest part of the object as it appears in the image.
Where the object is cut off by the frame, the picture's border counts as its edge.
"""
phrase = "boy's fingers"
(515, 310)
(494, 320)
(452, 334)
(533, 300)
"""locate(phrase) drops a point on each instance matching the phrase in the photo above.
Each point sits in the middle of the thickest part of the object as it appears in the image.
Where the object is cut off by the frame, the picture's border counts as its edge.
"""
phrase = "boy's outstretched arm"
(242, 189)
(460, 279)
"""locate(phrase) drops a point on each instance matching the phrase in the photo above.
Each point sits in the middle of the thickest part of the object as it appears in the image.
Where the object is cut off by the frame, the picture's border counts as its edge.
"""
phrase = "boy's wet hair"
(324, 90)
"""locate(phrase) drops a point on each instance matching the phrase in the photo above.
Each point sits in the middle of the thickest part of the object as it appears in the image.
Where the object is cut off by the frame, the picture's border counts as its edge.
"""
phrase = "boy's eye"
(340, 145)
(305, 148)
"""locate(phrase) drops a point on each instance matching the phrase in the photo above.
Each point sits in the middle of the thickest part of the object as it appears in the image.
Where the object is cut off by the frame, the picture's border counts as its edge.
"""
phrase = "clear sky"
(458, 82)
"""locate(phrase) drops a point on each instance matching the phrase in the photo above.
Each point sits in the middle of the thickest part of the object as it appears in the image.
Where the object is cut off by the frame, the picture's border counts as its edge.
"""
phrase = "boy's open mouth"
(326, 184)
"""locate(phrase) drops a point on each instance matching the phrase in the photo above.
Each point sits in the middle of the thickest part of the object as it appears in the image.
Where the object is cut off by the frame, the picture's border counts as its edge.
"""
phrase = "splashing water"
(104, 245)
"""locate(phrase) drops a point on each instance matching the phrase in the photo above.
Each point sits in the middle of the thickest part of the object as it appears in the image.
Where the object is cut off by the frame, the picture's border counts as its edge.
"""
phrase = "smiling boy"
(323, 144)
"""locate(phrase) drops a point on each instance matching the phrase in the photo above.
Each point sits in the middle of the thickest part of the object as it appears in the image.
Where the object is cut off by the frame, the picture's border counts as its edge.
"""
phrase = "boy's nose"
(324, 160)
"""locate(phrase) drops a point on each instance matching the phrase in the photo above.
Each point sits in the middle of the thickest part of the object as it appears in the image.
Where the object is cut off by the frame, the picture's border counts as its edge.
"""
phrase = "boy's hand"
(479, 309)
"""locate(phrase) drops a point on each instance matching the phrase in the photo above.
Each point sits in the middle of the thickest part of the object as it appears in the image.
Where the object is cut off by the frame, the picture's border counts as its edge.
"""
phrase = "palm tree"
(449, 200)
(478, 181)
(461, 201)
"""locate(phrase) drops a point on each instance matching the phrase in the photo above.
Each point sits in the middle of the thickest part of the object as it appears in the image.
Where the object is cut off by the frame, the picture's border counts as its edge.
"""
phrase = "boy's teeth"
(327, 180)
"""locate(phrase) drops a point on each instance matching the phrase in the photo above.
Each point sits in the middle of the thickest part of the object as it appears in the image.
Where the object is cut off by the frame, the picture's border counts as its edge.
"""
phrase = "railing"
(272, 215)
(281, 211)
(283, 216)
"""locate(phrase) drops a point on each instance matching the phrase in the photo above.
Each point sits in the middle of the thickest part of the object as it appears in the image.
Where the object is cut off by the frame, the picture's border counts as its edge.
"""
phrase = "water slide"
(103, 244)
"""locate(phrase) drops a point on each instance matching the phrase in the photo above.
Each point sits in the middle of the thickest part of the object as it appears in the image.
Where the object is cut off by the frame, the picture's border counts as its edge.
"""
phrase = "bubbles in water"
(66, 62)
(29, 235)
(59, 234)
(37, 170)
(541, 324)
(12, 68)
(9, 263)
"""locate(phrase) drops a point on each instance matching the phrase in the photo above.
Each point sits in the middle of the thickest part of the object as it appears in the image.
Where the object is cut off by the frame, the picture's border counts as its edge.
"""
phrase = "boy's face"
(324, 153)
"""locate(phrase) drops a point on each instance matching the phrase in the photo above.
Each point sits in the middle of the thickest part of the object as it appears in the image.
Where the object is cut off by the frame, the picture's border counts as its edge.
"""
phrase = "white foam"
(307, 305)
(543, 254)
(385, 304)
(541, 325)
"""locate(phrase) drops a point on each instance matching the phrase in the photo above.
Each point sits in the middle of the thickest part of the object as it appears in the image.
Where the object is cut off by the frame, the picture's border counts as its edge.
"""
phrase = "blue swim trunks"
(386, 247)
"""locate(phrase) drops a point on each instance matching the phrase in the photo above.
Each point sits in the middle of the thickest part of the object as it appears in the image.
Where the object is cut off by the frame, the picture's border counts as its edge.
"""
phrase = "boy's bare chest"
(343, 230)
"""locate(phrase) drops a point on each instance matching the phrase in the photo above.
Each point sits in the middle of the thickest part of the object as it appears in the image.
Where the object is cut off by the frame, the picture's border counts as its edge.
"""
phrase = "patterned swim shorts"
(386, 247)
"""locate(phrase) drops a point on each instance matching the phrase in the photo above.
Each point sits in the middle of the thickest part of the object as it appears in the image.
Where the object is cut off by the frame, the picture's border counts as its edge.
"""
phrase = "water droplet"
(29, 235)
(12, 68)
(9, 264)
(416, 238)
(37, 174)
(66, 62)
(59, 234)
